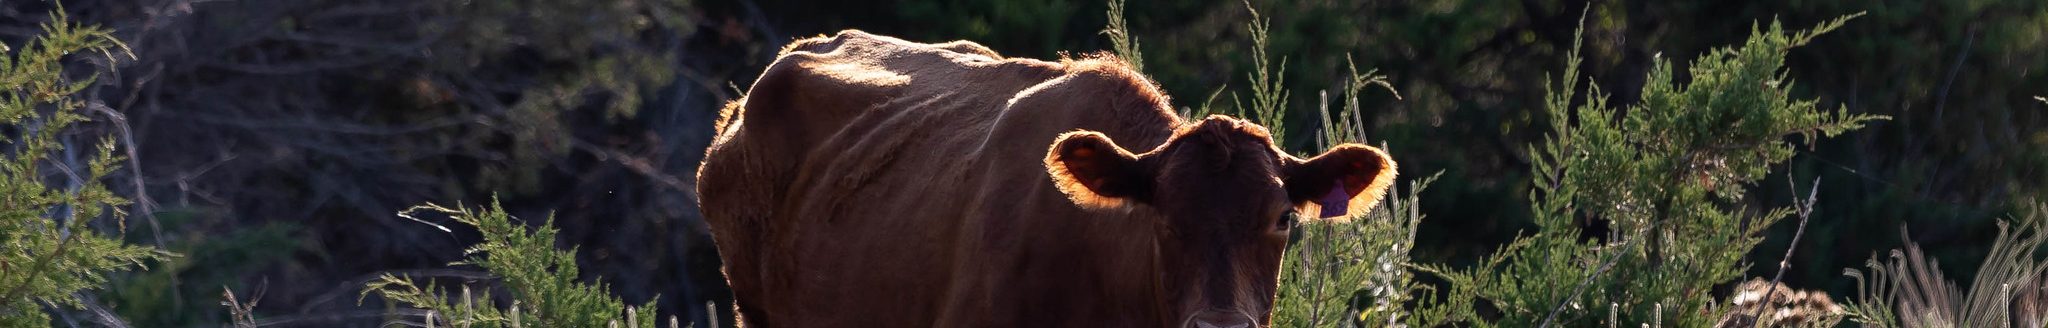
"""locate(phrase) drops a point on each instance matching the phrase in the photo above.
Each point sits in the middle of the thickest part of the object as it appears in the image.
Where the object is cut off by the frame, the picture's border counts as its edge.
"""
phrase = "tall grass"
(1908, 290)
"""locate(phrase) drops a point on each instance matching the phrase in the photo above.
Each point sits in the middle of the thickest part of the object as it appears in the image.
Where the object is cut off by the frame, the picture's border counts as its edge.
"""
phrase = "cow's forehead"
(1223, 143)
(1209, 198)
(1223, 125)
(1231, 159)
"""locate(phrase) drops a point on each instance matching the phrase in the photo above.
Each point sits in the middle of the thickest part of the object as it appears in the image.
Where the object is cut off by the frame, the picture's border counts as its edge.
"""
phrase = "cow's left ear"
(1095, 173)
(1341, 183)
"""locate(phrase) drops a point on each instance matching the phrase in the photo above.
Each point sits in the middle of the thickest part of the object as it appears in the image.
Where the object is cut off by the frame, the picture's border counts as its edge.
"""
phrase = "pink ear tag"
(1335, 203)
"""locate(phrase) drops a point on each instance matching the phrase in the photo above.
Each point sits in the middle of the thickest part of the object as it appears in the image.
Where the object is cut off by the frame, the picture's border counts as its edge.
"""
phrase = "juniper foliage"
(1268, 101)
(1356, 270)
(1120, 39)
(51, 207)
(1676, 165)
(541, 278)
(1337, 274)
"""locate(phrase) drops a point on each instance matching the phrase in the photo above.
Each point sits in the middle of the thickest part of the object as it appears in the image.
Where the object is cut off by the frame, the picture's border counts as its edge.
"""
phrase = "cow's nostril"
(1221, 319)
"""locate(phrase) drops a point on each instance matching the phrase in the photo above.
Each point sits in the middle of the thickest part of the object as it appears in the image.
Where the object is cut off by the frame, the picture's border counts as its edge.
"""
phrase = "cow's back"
(868, 181)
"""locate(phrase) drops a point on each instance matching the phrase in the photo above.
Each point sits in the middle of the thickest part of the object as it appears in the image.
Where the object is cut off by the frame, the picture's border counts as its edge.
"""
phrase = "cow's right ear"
(1095, 173)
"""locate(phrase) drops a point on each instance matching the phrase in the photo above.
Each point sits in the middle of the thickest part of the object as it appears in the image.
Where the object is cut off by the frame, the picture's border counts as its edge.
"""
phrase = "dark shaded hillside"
(275, 140)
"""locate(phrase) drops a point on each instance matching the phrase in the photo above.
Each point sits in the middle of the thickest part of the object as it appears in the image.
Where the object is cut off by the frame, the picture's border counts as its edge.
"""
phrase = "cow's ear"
(1095, 173)
(1341, 183)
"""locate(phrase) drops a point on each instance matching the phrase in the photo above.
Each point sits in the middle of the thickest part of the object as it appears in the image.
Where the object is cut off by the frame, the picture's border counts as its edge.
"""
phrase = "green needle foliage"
(50, 249)
(1120, 39)
(1268, 103)
(1356, 269)
(542, 280)
(1336, 273)
(1673, 167)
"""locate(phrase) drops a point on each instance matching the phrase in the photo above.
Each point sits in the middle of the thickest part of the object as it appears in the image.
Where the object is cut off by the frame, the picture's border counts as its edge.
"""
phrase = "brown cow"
(866, 181)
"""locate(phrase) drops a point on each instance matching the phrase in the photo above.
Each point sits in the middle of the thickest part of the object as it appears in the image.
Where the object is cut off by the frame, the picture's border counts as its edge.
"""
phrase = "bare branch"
(1805, 211)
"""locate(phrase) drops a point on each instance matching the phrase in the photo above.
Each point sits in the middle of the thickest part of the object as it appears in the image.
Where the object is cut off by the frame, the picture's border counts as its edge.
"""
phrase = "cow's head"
(1224, 195)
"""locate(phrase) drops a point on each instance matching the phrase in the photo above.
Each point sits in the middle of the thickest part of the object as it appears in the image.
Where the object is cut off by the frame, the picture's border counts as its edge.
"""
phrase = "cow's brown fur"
(872, 182)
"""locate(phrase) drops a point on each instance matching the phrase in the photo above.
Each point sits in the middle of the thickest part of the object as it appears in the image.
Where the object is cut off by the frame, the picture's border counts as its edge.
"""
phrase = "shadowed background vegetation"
(269, 143)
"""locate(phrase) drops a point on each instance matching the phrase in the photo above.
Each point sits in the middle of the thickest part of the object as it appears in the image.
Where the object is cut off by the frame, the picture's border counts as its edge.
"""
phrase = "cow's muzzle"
(1220, 318)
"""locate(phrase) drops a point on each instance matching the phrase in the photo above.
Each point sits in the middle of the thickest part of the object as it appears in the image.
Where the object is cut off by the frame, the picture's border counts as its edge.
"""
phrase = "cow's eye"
(1286, 221)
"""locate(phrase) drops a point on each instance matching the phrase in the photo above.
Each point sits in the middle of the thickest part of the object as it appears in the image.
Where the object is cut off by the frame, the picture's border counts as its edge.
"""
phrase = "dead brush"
(1909, 291)
(1784, 307)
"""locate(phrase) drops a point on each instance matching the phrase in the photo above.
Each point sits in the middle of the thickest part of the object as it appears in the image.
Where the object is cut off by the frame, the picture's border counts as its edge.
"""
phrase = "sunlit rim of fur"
(726, 115)
(1074, 189)
(1364, 201)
